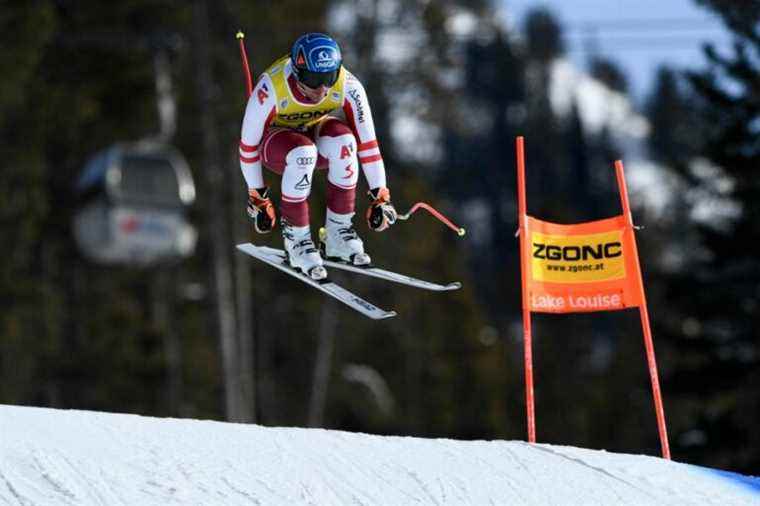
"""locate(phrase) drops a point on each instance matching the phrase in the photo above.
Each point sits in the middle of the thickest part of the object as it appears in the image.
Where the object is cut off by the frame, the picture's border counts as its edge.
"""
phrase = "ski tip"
(386, 315)
(456, 285)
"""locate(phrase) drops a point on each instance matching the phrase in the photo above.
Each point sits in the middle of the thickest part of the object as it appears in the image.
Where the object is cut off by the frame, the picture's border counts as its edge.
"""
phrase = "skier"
(293, 125)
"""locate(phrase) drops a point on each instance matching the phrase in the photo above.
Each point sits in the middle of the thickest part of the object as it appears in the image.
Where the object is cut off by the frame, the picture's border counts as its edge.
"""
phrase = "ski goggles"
(316, 79)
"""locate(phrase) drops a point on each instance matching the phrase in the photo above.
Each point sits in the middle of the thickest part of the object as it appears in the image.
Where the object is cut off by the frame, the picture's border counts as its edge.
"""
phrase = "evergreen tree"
(676, 135)
(610, 74)
(544, 35)
(714, 298)
(27, 342)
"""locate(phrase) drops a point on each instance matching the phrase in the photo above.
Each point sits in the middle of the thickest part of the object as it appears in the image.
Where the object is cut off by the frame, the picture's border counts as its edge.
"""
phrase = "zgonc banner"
(591, 266)
(585, 267)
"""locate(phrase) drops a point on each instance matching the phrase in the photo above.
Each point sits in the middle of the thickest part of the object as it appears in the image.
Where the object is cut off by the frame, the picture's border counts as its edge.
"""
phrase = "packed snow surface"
(77, 457)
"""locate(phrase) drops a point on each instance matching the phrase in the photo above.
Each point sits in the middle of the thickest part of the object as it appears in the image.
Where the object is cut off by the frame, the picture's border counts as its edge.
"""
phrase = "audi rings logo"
(305, 160)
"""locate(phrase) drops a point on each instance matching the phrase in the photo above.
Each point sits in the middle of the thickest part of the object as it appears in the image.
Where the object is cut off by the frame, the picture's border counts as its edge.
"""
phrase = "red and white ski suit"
(291, 136)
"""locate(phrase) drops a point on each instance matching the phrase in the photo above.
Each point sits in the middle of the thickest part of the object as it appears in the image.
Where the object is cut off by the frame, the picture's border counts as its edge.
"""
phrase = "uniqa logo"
(325, 59)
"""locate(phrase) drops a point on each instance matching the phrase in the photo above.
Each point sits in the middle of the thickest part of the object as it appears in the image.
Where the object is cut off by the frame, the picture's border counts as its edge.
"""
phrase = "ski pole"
(246, 69)
(459, 230)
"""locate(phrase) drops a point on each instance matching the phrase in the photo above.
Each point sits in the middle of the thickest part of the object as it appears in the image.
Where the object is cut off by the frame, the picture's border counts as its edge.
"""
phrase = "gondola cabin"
(133, 202)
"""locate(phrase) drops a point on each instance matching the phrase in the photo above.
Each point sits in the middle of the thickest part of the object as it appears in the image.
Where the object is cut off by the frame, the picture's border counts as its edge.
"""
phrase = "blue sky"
(639, 35)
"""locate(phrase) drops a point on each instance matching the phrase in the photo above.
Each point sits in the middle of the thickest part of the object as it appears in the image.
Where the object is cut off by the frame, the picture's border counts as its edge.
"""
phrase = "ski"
(276, 258)
(376, 272)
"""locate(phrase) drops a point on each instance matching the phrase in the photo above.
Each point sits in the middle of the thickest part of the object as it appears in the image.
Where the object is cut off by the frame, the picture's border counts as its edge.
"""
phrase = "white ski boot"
(302, 254)
(341, 240)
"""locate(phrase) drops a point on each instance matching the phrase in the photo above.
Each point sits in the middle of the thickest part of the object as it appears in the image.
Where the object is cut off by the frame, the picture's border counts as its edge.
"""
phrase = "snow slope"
(78, 457)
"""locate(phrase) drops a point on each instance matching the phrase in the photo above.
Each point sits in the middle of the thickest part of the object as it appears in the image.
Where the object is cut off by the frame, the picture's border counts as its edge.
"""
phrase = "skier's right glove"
(261, 210)
(381, 214)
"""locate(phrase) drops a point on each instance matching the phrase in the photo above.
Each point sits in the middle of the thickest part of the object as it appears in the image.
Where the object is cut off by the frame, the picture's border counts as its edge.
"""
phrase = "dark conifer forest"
(216, 335)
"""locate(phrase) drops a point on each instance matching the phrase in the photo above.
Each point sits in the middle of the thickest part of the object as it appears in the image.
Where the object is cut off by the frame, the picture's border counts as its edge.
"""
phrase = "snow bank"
(76, 457)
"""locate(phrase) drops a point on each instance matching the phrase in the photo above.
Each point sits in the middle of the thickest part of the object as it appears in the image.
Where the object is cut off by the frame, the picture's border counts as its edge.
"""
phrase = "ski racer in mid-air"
(308, 112)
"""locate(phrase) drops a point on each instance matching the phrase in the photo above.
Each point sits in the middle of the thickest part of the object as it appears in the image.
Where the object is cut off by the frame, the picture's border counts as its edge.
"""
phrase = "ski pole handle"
(459, 230)
(246, 69)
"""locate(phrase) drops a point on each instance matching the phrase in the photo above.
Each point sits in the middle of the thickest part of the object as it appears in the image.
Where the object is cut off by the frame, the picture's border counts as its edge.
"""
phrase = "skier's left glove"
(261, 210)
(381, 214)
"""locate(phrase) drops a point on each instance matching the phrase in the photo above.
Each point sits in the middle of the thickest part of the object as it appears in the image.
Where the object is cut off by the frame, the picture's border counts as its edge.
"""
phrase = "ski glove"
(261, 210)
(381, 214)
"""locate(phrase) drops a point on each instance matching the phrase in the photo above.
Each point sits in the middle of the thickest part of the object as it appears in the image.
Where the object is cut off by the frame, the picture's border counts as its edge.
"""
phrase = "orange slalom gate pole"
(527, 336)
(644, 313)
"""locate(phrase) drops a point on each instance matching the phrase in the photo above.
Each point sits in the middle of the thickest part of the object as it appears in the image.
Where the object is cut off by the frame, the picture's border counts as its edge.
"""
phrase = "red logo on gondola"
(130, 225)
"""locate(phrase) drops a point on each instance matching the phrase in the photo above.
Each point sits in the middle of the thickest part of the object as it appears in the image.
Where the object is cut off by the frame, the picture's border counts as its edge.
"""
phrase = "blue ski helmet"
(316, 60)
